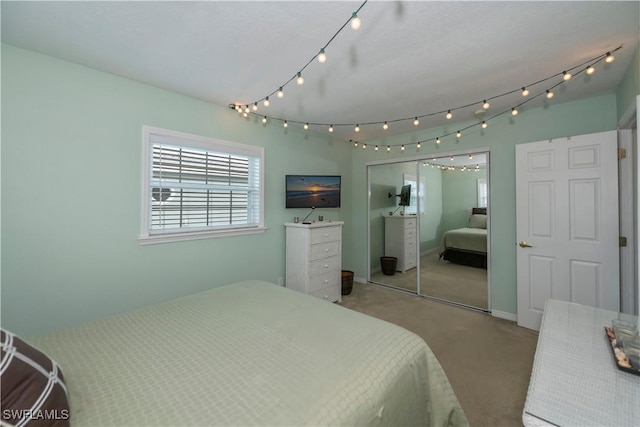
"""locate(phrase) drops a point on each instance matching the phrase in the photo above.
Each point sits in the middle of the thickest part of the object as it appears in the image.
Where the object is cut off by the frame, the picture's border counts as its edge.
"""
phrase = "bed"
(467, 245)
(251, 353)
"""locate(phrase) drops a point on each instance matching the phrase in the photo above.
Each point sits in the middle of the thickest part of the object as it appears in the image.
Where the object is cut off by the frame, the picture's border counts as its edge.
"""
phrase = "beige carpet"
(488, 360)
(443, 279)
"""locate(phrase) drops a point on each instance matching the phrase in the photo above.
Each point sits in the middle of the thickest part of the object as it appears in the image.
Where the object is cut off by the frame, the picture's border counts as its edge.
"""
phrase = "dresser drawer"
(410, 224)
(325, 234)
(324, 265)
(410, 243)
(410, 259)
(324, 250)
(322, 281)
(330, 294)
(410, 234)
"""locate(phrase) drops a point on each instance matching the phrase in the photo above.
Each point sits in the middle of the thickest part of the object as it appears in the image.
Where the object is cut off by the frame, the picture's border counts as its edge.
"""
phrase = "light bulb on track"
(322, 57)
(355, 22)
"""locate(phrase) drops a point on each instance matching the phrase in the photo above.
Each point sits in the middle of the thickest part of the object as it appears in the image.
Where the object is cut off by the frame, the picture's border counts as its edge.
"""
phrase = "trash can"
(347, 282)
(388, 264)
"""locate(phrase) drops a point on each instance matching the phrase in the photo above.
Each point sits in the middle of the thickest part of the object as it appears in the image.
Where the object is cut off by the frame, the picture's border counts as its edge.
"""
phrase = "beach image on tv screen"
(306, 191)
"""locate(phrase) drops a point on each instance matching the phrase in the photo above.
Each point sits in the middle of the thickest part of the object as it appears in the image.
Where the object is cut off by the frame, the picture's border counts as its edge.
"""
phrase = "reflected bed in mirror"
(467, 245)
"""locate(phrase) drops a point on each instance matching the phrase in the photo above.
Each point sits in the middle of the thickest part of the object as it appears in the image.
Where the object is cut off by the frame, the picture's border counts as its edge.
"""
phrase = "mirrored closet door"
(393, 226)
(439, 234)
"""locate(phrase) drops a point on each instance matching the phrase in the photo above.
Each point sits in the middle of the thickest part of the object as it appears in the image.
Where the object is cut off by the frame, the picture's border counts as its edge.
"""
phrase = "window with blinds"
(197, 187)
(417, 194)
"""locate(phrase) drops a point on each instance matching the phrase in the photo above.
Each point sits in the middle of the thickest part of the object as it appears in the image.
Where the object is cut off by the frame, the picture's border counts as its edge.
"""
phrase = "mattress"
(250, 353)
(466, 239)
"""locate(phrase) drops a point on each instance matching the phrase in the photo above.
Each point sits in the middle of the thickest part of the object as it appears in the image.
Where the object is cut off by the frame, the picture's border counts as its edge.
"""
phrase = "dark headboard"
(482, 211)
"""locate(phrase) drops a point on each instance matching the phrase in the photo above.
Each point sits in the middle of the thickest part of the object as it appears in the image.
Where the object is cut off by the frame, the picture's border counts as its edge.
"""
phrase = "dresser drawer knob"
(326, 281)
(326, 249)
(326, 234)
(326, 266)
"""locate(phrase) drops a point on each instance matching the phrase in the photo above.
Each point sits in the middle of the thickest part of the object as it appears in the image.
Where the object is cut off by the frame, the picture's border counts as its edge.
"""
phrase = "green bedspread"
(251, 353)
(466, 239)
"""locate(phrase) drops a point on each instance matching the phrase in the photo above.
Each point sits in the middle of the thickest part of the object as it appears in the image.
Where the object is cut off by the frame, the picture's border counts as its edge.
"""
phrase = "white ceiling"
(410, 58)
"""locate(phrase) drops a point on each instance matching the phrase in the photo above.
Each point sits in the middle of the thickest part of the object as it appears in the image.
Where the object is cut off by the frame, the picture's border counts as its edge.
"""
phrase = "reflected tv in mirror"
(312, 191)
(405, 195)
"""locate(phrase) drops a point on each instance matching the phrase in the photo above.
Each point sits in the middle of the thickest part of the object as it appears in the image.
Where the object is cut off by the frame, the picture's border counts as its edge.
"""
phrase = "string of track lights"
(354, 22)
(566, 75)
(464, 168)
(453, 168)
(587, 67)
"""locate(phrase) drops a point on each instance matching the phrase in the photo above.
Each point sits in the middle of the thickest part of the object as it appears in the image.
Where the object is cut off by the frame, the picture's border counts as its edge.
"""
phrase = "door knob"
(524, 244)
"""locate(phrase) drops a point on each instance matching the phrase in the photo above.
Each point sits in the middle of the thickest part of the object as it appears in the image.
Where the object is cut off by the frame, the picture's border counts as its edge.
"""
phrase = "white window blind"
(197, 186)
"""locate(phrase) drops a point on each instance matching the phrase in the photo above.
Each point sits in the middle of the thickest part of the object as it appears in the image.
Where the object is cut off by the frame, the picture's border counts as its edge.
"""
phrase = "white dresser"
(400, 240)
(314, 258)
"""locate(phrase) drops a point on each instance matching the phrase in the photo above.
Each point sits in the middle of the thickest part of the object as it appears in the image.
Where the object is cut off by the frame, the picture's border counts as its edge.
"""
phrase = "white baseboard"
(429, 251)
(360, 279)
(504, 315)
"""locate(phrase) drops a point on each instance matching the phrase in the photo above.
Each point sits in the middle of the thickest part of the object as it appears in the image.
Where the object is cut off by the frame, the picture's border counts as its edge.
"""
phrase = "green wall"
(552, 121)
(459, 196)
(431, 229)
(71, 159)
(71, 183)
(629, 88)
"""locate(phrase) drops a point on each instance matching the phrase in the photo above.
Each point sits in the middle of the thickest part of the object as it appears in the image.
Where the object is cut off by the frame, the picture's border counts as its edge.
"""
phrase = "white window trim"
(483, 190)
(202, 142)
(417, 192)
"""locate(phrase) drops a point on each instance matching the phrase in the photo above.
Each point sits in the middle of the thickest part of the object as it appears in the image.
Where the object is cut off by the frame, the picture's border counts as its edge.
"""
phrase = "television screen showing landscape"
(313, 191)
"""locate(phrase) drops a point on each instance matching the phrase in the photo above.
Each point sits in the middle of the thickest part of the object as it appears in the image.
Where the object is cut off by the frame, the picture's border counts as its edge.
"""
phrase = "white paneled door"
(567, 224)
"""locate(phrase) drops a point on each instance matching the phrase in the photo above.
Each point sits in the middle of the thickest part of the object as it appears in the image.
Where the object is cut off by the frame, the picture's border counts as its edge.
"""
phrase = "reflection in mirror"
(393, 225)
(439, 242)
(454, 235)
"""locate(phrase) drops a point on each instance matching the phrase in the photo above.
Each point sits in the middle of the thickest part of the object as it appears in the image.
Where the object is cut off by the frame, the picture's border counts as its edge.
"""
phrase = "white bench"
(575, 380)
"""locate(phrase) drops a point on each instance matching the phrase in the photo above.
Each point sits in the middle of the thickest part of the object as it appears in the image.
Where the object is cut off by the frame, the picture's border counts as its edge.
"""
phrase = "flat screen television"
(405, 195)
(312, 191)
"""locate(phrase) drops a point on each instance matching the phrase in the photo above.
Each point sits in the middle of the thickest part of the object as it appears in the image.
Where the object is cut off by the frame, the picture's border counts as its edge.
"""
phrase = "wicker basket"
(347, 282)
(388, 265)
